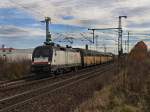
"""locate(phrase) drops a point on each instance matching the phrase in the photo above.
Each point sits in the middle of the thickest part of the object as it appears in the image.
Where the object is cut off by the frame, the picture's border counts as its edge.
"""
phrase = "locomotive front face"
(41, 58)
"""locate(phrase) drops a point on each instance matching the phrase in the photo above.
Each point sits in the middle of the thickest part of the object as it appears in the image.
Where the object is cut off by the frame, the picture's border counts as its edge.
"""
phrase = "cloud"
(10, 31)
(84, 13)
(95, 13)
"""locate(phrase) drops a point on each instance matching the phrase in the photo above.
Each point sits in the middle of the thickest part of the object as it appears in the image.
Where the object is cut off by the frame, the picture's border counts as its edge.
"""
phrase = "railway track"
(33, 84)
(31, 80)
(18, 99)
(22, 82)
(6, 84)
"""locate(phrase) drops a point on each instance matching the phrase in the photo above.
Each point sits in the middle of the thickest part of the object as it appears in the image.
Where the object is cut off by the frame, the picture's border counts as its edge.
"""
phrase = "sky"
(20, 25)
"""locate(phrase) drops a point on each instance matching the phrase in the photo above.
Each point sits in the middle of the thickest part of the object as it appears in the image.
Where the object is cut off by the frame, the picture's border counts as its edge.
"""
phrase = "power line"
(93, 30)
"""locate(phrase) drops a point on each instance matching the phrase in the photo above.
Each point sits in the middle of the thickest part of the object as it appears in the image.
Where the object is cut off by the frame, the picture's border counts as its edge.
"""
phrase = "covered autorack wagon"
(90, 57)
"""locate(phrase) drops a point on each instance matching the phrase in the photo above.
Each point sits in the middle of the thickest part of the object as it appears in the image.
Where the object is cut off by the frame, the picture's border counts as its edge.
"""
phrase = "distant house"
(16, 54)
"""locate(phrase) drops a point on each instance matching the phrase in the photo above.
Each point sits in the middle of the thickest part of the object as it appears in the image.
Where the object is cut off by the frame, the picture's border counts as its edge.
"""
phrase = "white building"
(16, 54)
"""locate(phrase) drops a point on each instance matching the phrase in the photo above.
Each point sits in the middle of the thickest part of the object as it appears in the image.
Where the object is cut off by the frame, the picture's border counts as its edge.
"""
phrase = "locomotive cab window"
(42, 52)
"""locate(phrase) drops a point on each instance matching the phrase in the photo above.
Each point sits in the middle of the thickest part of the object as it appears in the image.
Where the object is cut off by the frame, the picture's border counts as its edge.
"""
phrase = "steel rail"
(19, 83)
(13, 82)
(53, 87)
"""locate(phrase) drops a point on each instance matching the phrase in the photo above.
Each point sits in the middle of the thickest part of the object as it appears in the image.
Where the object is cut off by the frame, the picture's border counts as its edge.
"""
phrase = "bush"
(10, 70)
(135, 83)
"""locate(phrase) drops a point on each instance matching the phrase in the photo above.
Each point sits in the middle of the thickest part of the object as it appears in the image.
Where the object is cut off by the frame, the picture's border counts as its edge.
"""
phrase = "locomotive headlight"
(49, 63)
(32, 63)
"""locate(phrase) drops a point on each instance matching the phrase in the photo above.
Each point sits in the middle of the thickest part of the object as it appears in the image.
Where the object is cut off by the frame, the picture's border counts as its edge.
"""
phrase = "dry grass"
(96, 103)
(106, 101)
(10, 70)
(130, 91)
(135, 84)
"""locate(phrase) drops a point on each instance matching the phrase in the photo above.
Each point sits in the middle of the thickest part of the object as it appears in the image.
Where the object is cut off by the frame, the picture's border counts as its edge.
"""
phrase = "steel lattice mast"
(120, 49)
(48, 35)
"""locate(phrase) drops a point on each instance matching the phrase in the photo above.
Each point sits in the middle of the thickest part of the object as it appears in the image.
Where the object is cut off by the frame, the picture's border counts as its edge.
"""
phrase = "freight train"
(56, 59)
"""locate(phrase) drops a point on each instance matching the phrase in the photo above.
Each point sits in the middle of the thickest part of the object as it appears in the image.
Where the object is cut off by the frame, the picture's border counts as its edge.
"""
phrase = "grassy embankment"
(10, 70)
(130, 91)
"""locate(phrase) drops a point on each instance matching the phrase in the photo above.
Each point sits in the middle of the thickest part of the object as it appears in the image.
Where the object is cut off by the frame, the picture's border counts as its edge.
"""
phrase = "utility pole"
(125, 45)
(120, 49)
(93, 33)
(128, 41)
(48, 35)
(96, 42)
(105, 48)
(121, 64)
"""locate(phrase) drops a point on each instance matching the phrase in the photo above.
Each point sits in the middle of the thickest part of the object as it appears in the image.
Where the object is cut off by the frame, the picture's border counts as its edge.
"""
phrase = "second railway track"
(5, 84)
(18, 99)
(22, 86)
(32, 80)
(22, 82)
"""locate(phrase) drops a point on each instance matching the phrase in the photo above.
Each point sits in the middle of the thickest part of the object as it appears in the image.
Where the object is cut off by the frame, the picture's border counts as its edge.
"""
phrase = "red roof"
(7, 49)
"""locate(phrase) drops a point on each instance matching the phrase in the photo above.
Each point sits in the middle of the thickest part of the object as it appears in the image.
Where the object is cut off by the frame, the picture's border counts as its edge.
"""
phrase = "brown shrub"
(10, 70)
(139, 51)
(135, 83)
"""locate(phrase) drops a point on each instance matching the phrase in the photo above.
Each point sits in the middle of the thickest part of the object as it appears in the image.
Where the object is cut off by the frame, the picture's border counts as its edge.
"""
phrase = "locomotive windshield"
(42, 52)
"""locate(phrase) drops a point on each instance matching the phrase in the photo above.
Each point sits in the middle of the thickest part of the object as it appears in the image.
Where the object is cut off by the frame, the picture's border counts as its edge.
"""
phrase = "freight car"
(90, 58)
(57, 59)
